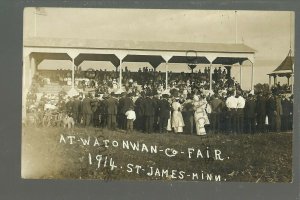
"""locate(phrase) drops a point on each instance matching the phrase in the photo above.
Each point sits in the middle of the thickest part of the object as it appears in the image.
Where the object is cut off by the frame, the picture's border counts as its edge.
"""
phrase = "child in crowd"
(130, 118)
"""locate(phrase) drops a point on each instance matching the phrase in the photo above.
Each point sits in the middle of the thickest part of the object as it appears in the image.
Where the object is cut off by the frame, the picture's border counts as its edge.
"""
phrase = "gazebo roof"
(286, 67)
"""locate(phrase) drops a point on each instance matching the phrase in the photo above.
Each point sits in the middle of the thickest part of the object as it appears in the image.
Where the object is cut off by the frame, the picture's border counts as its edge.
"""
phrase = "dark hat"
(165, 96)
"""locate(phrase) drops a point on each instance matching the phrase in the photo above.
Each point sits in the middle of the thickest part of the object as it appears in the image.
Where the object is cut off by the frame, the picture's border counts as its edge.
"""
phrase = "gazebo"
(285, 69)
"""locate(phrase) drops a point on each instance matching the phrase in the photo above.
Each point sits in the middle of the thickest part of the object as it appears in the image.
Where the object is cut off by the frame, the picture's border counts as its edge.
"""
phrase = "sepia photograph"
(157, 94)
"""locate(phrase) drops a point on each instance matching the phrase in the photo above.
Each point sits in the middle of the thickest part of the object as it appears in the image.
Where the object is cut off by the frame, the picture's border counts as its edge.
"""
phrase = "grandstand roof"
(136, 45)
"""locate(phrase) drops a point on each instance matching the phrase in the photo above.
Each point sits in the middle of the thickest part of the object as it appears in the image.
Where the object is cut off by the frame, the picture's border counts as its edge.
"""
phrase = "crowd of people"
(185, 107)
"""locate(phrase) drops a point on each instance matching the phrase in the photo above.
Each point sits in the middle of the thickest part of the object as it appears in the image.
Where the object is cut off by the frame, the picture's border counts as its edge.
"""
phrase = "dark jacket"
(285, 107)
(125, 104)
(112, 104)
(86, 106)
(164, 108)
(139, 106)
(270, 106)
(250, 108)
(76, 106)
(216, 105)
(148, 107)
(261, 106)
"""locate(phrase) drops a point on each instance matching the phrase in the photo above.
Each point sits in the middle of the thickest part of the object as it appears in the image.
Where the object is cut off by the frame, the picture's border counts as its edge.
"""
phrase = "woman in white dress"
(177, 120)
(201, 118)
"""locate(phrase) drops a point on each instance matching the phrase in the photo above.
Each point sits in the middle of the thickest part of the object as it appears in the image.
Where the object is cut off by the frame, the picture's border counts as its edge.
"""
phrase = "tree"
(264, 88)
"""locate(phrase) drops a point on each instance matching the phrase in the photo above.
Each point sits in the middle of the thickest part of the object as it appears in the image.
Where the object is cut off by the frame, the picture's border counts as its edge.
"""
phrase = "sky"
(268, 32)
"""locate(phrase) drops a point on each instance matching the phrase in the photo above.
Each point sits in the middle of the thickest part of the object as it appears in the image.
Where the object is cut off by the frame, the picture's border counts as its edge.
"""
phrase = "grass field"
(48, 154)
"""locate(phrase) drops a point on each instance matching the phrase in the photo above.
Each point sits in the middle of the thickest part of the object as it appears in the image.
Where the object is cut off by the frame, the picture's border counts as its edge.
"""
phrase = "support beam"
(166, 75)
(120, 75)
(25, 84)
(210, 77)
(73, 73)
(241, 76)
(270, 82)
(73, 91)
(252, 76)
(32, 69)
(228, 74)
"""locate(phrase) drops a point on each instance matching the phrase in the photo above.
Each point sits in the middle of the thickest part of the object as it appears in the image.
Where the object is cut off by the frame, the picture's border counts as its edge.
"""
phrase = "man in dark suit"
(149, 109)
(216, 106)
(112, 110)
(285, 113)
(139, 110)
(76, 109)
(120, 115)
(261, 112)
(164, 109)
(156, 100)
(103, 111)
(188, 115)
(291, 105)
(125, 105)
(87, 110)
(270, 111)
(96, 112)
(250, 112)
(278, 113)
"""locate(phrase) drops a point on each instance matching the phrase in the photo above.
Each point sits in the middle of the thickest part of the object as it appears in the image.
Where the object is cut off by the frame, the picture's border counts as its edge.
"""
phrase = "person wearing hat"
(156, 101)
(290, 107)
(231, 104)
(278, 113)
(260, 112)
(285, 113)
(139, 122)
(76, 109)
(188, 115)
(148, 107)
(270, 111)
(240, 112)
(216, 108)
(111, 111)
(201, 118)
(125, 103)
(250, 114)
(87, 110)
(164, 110)
(177, 119)
(102, 106)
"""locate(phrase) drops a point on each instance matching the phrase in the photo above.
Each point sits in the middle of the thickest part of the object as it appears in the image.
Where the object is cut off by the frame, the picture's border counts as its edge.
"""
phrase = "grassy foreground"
(48, 154)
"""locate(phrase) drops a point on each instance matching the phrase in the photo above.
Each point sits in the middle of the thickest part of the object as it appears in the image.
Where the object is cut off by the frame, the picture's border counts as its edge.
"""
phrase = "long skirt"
(169, 127)
(201, 119)
(177, 122)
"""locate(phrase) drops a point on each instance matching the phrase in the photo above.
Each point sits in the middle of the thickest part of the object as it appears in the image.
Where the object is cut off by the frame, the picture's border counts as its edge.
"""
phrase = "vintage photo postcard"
(158, 94)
